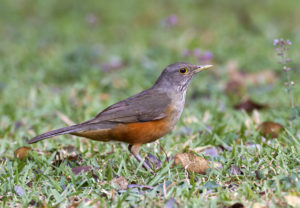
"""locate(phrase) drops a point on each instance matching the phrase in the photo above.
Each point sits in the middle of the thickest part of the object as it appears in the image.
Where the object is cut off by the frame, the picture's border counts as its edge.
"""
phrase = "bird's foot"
(135, 149)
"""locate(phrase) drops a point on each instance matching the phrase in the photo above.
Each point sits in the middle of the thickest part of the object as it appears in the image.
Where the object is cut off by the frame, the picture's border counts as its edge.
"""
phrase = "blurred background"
(63, 61)
(78, 57)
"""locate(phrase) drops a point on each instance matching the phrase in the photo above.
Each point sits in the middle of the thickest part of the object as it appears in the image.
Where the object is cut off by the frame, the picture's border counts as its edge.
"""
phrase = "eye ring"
(183, 70)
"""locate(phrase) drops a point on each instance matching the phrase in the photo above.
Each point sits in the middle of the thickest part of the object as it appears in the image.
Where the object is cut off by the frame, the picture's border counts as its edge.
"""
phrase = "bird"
(141, 118)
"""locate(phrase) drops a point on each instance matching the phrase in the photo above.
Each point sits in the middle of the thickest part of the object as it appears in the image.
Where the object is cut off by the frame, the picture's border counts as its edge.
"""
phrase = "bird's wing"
(146, 106)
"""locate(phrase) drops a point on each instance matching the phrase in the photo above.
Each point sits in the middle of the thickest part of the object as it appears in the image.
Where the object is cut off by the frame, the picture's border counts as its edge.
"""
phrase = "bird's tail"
(56, 132)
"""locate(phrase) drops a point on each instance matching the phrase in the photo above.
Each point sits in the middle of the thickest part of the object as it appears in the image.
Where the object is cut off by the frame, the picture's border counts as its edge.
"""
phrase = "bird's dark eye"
(183, 70)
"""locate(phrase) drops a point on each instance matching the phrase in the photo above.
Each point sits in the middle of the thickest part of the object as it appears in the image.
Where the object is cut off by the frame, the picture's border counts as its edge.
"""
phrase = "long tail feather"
(56, 132)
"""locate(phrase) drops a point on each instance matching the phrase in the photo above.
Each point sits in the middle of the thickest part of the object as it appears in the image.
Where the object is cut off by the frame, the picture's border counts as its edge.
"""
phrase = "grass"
(52, 58)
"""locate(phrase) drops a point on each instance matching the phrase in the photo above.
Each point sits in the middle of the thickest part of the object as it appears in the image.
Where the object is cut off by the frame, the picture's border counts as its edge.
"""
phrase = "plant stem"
(289, 86)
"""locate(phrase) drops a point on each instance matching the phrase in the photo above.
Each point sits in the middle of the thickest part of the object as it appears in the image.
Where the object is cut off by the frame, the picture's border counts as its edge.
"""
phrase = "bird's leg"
(135, 150)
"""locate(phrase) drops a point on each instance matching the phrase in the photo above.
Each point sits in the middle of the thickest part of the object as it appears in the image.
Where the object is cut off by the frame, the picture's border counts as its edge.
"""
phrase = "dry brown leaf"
(22, 152)
(119, 182)
(249, 105)
(237, 205)
(293, 201)
(192, 163)
(269, 128)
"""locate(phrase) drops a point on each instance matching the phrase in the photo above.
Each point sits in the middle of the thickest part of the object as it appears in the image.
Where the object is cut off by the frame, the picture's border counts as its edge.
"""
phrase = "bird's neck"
(167, 85)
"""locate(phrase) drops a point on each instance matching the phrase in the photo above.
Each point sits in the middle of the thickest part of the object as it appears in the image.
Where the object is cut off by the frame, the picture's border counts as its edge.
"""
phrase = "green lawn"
(71, 59)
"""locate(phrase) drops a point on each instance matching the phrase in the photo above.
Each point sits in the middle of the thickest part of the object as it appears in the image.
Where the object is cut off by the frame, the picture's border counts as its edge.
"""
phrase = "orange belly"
(132, 133)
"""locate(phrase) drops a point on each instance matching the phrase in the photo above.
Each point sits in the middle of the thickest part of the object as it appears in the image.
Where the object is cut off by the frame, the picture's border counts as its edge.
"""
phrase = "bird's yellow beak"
(202, 68)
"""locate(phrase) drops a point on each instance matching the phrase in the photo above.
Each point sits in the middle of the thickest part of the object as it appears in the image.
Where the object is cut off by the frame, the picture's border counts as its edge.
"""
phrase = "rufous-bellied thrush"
(142, 118)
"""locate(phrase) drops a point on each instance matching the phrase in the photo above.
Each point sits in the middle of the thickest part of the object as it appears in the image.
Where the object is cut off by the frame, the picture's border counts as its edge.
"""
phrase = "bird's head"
(178, 75)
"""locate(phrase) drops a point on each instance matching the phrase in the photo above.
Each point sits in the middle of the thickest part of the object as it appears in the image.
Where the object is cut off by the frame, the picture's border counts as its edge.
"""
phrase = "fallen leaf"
(22, 152)
(80, 169)
(293, 201)
(191, 162)
(237, 205)
(153, 161)
(170, 203)
(269, 128)
(249, 105)
(19, 190)
(120, 183)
